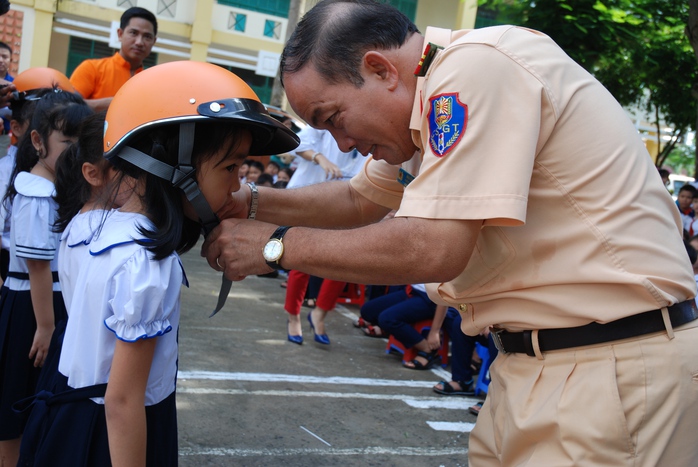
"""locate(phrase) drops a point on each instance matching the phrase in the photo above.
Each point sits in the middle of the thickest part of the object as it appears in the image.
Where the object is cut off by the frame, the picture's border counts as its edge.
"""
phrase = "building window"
(237, 21)
(272, 29)
(407, 7)
(80, 49)
(126, 3)
(270, 7)
(261, 85)
(167, 8)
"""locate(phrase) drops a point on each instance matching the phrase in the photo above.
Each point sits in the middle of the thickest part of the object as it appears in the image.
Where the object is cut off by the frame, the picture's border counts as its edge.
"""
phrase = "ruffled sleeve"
(144, 295)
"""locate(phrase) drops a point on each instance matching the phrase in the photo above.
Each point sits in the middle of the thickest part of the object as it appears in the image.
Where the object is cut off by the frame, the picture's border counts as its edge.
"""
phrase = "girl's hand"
(39, 349)
(434, 340)
(332, 171)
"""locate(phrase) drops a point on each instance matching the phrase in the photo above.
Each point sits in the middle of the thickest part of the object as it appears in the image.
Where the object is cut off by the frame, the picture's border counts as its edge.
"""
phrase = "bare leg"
(318, 317)
(294, 325)
(9, 452)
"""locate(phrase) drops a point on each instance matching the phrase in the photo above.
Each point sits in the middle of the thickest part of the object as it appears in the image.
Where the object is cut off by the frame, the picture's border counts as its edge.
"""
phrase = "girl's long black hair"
(55, 111)
(72, 190)
(164, 203)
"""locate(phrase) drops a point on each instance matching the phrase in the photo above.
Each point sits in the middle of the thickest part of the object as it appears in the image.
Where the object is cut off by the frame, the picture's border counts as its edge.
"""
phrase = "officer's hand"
(235, 247)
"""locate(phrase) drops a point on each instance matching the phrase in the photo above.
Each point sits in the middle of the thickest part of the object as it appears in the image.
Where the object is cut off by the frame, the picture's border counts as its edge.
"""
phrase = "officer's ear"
(378, 66)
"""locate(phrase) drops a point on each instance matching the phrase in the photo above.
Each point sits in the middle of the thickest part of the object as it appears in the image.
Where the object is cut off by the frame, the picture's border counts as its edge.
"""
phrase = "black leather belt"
(595, 333)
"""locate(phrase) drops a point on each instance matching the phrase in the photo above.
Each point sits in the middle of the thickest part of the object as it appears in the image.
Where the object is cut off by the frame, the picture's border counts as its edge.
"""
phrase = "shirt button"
(463, 307)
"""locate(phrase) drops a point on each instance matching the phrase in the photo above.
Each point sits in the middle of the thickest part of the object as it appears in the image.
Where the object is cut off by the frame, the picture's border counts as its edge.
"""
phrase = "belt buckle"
(495, 333)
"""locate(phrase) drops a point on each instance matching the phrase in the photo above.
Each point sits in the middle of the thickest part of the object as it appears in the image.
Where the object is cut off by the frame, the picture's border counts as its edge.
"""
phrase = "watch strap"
(278, 235)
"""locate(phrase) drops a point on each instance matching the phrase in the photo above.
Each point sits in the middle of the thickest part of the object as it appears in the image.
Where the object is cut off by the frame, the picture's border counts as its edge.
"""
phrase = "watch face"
(273, 250)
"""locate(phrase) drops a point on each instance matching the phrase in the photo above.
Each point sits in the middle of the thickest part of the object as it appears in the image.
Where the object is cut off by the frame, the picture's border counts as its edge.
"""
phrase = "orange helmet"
(182, 94)
(188, 91)
(42, 78)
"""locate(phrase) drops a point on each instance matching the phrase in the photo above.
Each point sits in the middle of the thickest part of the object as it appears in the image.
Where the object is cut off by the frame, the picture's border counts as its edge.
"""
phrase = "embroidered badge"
(448, 118)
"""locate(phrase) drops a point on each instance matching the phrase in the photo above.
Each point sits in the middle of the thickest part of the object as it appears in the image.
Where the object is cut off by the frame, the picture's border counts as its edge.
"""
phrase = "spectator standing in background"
(98, 80)
(5, 61)
(684, 202)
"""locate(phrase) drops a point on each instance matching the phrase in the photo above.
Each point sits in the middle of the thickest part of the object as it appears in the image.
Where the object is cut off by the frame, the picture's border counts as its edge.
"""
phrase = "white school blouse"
(31, 234)
(113, 289)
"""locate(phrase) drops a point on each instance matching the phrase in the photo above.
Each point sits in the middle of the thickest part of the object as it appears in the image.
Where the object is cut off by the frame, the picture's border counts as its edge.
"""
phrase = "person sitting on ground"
(462, 348)
(272, 169)
(265, 180)
(394, 313)
(255, 169)
(683, 202)
(242, 172)
(284, 175)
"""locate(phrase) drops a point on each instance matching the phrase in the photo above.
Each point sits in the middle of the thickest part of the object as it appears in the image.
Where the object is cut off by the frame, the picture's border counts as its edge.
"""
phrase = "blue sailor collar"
(89, 232)
(85, 229)
(28, 184)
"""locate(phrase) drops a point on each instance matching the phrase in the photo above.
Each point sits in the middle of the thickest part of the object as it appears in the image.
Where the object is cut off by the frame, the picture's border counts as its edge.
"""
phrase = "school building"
(245, 36)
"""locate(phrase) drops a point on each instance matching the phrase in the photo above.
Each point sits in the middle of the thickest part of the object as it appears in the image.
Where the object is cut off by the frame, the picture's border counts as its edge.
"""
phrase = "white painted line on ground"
(450, 403)
(398, 451)
(452, 426)
(316, 436)
(269, 377)
(347, 313)
(461, 403)
(441, 373)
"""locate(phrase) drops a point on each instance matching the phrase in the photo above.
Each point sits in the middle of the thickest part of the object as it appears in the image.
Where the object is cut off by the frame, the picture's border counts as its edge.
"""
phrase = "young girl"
(30, 299)
(31, 84)
(173, 165)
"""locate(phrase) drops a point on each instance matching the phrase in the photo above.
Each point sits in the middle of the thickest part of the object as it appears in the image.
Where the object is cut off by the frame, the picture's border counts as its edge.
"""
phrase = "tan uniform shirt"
(578, 226)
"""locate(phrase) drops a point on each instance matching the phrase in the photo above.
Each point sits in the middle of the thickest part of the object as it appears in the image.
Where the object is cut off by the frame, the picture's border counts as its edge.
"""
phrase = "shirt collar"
(121, 61)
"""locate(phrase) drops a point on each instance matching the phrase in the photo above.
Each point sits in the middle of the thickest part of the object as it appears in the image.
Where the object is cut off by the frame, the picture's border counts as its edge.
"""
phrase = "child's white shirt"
(7, 164)
(113, 289)
(32, 236)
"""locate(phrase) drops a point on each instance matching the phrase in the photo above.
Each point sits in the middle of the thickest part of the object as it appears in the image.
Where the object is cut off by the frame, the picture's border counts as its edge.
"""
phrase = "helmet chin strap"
(183, 176)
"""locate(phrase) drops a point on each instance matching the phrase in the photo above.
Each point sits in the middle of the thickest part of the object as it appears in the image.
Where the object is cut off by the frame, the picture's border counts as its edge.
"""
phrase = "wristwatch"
(274, 249)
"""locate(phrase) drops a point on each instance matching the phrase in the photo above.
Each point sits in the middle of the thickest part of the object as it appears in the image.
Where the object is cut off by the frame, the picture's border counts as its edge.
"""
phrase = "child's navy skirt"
(18, 377)
(67, 429)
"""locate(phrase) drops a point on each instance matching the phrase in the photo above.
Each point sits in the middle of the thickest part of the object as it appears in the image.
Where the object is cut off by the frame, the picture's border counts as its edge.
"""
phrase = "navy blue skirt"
(73, 433)
(18, 377)
(67, 429)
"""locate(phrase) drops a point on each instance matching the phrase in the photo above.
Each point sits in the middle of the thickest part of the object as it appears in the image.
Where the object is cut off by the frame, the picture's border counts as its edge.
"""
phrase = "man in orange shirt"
(98, 80)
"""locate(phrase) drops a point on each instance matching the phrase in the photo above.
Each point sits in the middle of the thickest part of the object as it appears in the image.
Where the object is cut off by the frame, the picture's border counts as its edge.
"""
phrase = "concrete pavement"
(247, 397)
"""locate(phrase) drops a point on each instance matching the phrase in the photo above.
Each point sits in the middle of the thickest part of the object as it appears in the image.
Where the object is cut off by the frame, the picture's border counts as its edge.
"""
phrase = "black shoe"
(466, 389)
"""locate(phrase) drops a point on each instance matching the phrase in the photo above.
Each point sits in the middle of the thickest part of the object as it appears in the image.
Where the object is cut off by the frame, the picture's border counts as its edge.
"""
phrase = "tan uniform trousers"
(632, 403)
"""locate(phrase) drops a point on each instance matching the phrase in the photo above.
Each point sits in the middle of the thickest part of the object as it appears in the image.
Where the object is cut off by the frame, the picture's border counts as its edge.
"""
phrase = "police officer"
(525, 196)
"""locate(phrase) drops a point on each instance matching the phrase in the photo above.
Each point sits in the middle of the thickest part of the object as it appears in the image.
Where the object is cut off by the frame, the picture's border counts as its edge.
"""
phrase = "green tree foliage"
(636, 48)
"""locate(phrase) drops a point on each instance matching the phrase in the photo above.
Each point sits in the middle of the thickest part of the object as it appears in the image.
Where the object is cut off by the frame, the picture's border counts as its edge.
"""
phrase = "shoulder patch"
(448, 118)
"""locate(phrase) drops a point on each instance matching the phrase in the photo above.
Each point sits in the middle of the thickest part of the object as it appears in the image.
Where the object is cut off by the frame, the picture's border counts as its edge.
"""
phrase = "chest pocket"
(492, 254)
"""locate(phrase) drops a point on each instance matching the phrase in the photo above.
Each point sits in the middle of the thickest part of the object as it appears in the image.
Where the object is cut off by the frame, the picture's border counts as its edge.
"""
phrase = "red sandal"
(374, 331)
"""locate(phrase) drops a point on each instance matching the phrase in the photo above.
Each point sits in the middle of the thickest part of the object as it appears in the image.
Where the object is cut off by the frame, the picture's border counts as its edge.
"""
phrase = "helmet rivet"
(108, 144)
(192, 101)
(215, 107)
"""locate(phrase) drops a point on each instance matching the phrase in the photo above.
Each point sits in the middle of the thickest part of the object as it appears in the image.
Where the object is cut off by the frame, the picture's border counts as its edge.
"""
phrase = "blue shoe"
(319, 338)
(295, 339)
